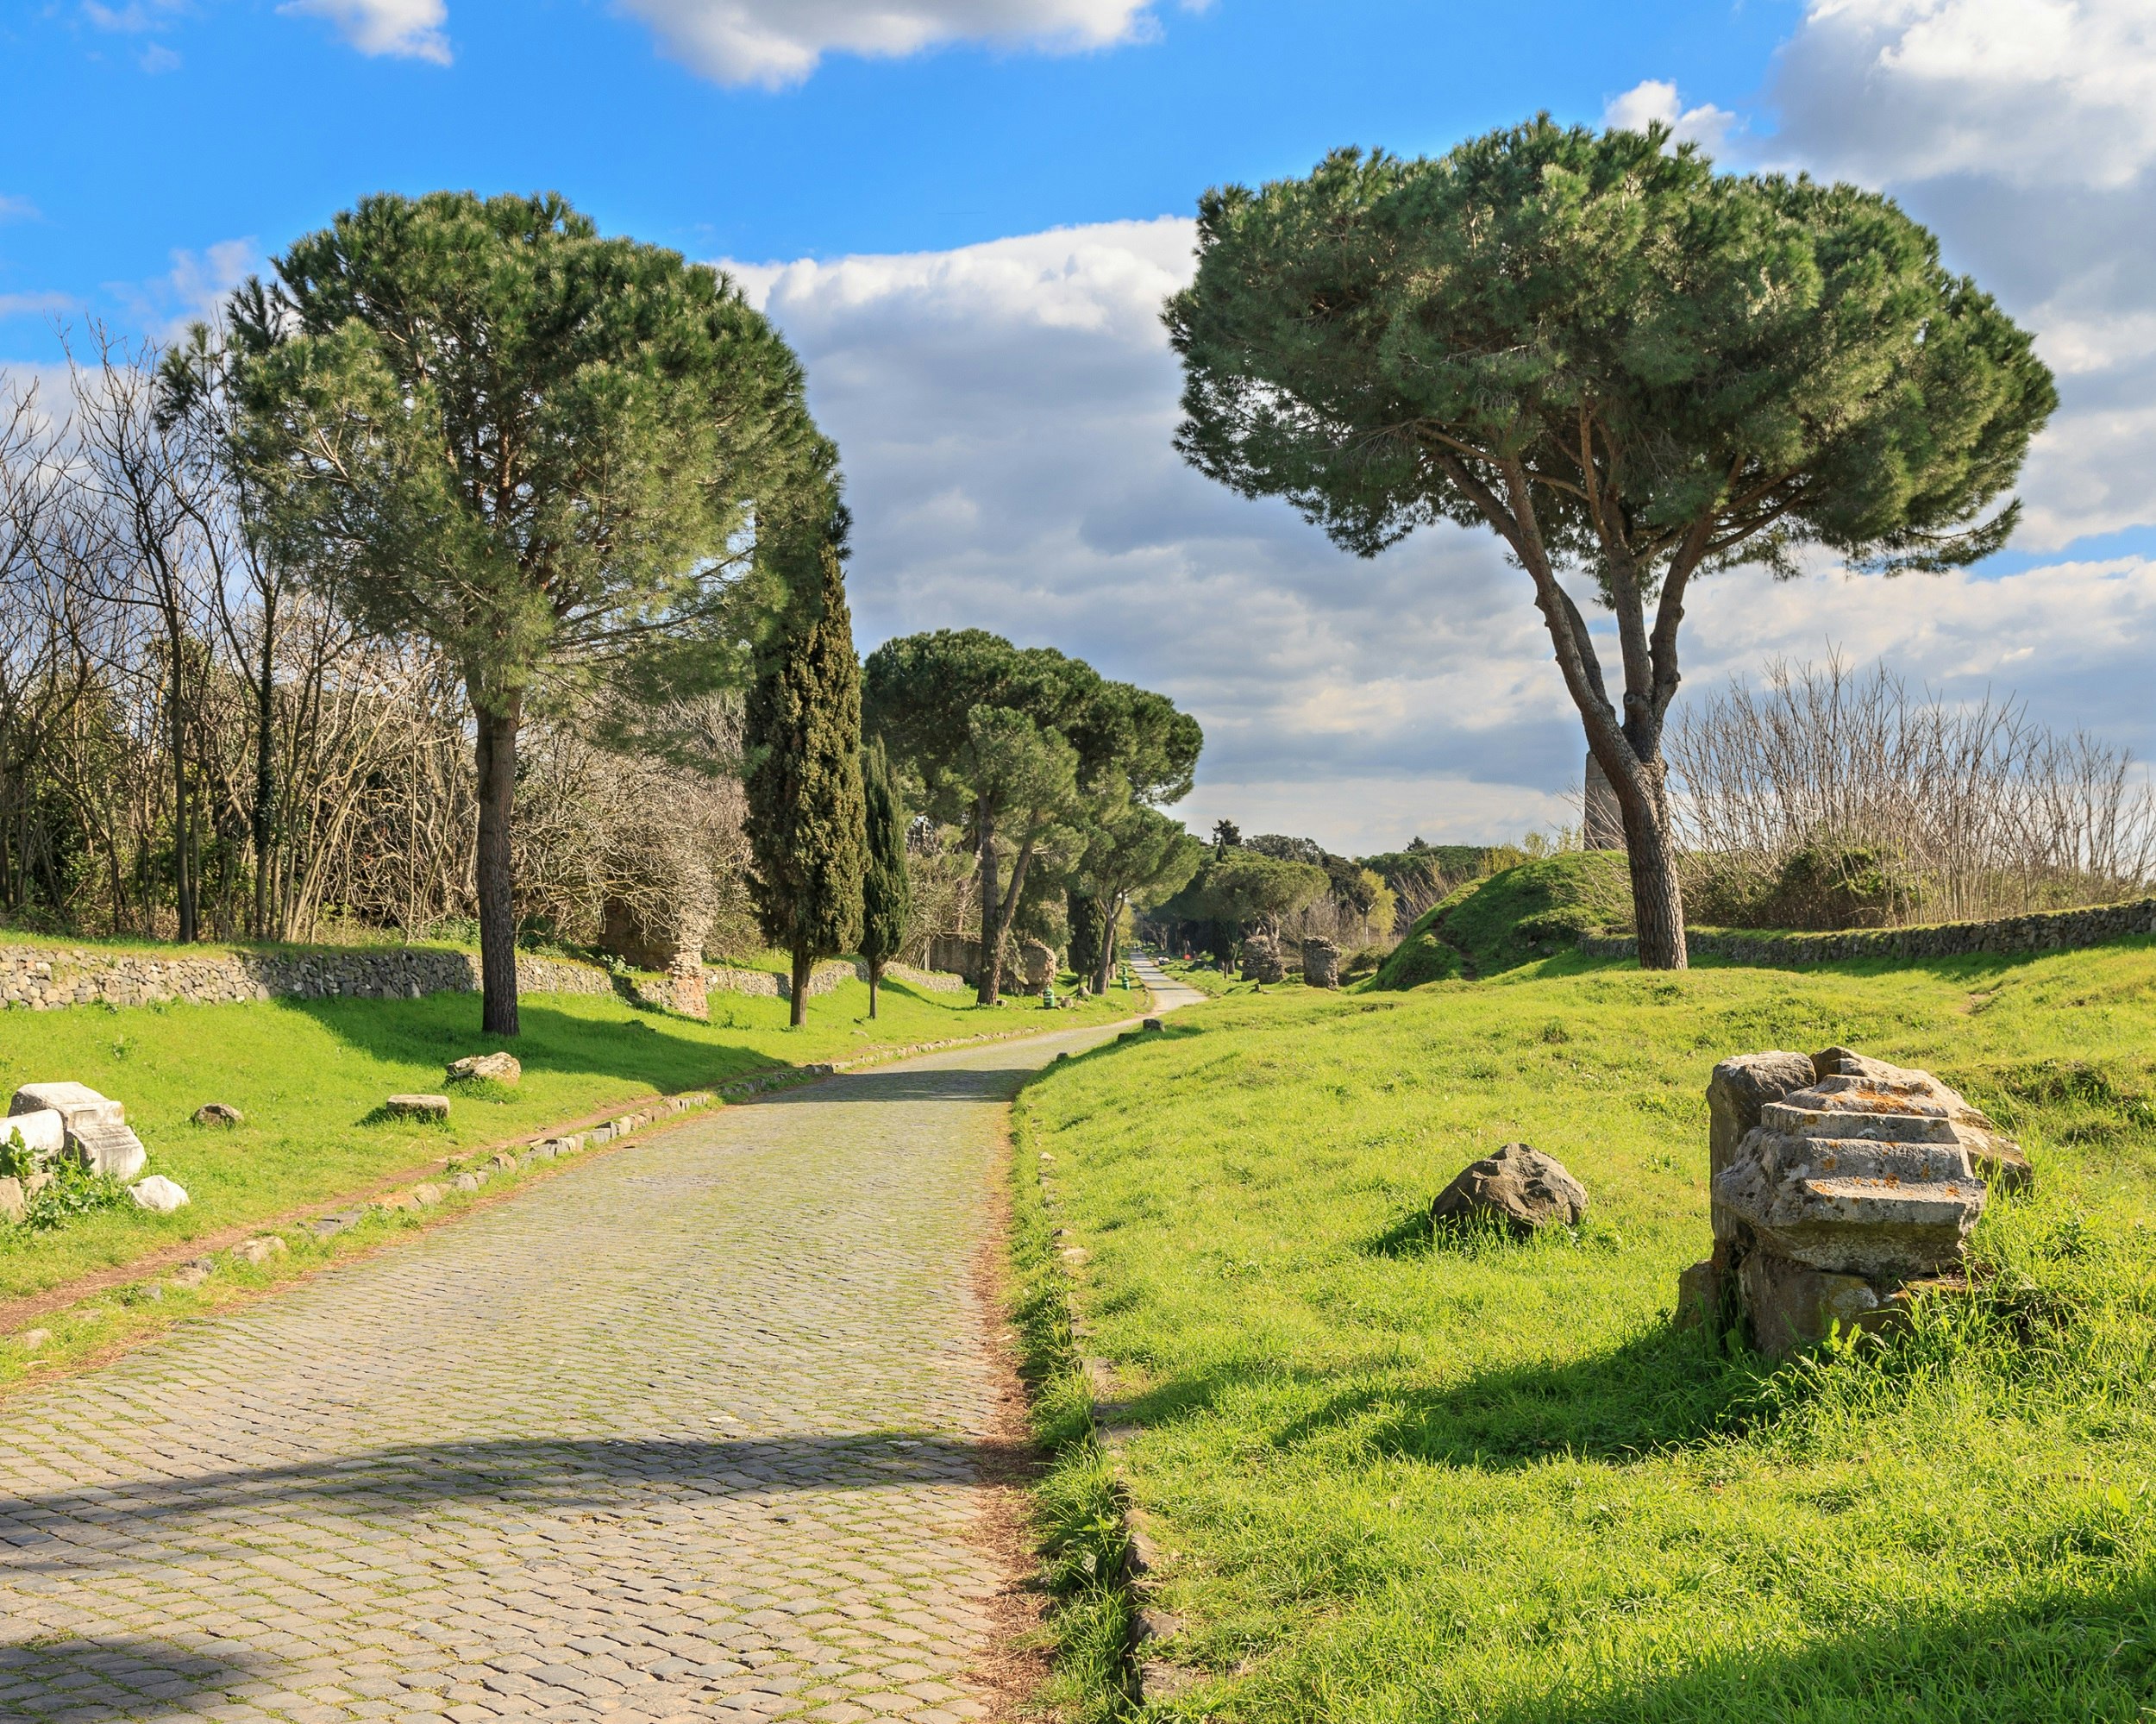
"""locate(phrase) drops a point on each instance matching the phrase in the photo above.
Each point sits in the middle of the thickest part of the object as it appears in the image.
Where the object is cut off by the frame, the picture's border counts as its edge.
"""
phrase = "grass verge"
(1402, 1478)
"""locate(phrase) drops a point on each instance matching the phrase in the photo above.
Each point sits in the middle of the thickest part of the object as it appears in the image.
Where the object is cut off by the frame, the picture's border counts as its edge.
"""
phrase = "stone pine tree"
(1636, 372)
(886, 893)
(807, 821)
(1137, 851)
(479, 422)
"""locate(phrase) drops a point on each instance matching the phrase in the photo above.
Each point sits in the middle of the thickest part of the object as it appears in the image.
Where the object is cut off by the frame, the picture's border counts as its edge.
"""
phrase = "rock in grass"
(1519, 1186)
(13, 1206)
(219, 1113)
(433, 1108)
(426, 1196)
(261, 1249)
(31, 1339)
(496, 1067)
(190, 1275)
(159, 1195)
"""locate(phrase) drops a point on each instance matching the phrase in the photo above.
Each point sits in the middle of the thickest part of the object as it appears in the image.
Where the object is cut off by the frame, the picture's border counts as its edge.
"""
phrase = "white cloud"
(33, 304)
(17, 209)
(778, 42)
(1655, 99)
(410, 30)
(192, 291)
(2032, 91)
(1004, 413)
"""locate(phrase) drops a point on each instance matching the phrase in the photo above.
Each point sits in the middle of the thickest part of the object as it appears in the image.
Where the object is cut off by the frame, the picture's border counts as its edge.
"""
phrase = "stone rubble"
(159, 1195)
(1843, 1189)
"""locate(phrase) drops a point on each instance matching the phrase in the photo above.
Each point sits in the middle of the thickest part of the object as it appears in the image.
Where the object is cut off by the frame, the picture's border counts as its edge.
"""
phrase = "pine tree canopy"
(480, 421)
(1693, 369)
(1624, 364)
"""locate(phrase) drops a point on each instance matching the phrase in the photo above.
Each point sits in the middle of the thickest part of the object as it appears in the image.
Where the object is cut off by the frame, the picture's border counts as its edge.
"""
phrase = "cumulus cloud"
(778, 42)
(2032, 91)
(408, 29)
(1656, 99)
(1005, 412)
(2024, 132)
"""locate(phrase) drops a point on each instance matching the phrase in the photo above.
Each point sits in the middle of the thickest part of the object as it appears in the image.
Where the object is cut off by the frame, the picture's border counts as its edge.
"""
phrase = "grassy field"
(1401, 1479)
(310, 1075)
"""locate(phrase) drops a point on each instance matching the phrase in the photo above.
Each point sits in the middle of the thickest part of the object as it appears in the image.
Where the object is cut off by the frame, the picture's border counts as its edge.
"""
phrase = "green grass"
(1511, 919)
(1413, 1479)
(309, 1074)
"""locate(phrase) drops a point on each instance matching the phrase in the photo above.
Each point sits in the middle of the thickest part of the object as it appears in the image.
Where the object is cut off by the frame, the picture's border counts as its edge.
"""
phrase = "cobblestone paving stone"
(696, 1430)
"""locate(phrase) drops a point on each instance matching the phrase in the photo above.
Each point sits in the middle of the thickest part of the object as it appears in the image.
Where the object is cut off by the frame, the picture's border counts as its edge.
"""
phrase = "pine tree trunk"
(1114, 912)
(496, 762)
(1657, 900)
(804, 963)
(991, 908)
(265, 770)
(876, 981)
(183, 875)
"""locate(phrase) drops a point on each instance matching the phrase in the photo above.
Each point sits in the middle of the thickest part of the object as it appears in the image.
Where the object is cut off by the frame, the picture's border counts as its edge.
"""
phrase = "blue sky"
(144, 128)
(965, 214)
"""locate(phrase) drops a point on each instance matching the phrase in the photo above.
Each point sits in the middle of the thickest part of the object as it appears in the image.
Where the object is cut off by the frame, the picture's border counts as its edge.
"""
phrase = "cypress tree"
(806, 819)
(887, 894)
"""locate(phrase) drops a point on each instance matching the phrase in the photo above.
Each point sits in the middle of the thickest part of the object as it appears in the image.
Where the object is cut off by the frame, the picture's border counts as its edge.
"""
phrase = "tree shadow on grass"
(2053, 1652)
(429, 1033)
(1664, 1390)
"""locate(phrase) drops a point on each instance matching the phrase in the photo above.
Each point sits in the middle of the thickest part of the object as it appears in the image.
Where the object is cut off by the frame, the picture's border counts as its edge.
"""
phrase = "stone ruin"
(1262, 959)
(1843, 1190)
(1320, 962)
(672, 944)
(54, 1120)
(1036, 967)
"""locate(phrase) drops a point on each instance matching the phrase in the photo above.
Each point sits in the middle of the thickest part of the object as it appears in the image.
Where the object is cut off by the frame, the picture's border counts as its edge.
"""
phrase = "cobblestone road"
(698, 1430)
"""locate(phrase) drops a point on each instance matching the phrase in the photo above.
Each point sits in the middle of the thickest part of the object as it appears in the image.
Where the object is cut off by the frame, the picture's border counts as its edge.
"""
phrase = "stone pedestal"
(1844, 1190)
(1261, 962)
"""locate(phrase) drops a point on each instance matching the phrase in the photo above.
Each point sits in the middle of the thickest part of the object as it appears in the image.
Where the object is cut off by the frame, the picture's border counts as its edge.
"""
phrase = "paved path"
(699, 1429)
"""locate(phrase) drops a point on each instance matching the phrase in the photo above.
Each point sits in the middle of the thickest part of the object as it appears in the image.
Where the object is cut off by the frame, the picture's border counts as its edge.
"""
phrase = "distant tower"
(1605, 824)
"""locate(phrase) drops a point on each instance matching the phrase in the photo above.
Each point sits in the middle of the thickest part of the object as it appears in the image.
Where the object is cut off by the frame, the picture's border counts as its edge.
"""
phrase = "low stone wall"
(42, 979)
(2050, 930)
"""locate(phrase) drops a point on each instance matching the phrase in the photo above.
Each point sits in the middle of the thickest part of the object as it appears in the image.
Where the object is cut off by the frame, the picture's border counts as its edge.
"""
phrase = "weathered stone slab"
(1996, 1158)
(43, 1133)
(76, 1103)
(416, 1106)
(104, 1147)
(1519, 1186)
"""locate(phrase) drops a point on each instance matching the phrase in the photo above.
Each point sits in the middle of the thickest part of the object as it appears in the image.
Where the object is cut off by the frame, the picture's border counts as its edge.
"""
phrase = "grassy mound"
(1406, 1478)
(1511, 919)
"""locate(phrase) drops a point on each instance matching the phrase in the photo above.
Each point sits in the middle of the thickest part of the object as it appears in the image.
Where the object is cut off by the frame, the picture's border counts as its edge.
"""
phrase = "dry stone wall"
(44, 978)
(2050, 930)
